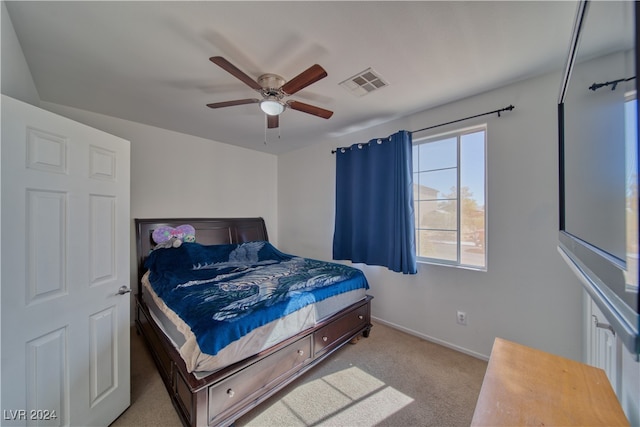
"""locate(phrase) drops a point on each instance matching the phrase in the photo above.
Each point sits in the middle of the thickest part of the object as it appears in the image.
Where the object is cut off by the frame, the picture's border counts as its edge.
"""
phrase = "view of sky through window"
(449, 198)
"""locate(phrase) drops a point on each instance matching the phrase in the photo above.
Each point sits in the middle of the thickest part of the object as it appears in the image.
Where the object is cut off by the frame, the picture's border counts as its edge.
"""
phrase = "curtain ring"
(379, 141)
(360, 146)
(342, 150)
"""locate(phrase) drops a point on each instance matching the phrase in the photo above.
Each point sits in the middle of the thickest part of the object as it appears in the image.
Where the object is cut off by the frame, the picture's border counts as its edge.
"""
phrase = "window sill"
(459, 266)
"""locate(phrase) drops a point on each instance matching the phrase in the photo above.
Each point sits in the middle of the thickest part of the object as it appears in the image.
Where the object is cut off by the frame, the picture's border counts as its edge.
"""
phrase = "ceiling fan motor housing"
(271, 84)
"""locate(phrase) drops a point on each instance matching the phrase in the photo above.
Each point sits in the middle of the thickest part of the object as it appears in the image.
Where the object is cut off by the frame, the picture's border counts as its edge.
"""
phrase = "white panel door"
(605, 350)
(65, 254)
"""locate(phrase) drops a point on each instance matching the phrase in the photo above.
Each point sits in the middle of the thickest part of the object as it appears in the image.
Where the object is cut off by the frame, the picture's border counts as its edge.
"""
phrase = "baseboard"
(431, 339)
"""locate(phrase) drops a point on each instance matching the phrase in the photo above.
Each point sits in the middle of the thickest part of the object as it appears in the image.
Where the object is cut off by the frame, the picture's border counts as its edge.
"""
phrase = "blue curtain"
(374, 221)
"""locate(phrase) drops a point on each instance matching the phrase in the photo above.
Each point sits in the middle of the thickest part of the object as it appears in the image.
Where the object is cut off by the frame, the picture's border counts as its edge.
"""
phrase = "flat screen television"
(598, 142)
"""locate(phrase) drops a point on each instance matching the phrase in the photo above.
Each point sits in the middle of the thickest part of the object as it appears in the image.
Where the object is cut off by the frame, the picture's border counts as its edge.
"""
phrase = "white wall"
(178, 175)
(528, 294)
(16, 76)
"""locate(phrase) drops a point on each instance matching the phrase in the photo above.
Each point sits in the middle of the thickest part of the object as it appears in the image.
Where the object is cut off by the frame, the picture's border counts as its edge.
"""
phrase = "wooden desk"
(528, 387)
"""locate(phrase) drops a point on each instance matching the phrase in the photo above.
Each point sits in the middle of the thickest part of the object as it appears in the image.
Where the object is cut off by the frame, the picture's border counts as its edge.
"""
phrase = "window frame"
(458, 134)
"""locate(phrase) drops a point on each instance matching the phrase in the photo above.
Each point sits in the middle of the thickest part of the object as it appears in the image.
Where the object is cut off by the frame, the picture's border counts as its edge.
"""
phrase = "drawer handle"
(230, 392)
(360, 316)
(325, 339)
(300, 352)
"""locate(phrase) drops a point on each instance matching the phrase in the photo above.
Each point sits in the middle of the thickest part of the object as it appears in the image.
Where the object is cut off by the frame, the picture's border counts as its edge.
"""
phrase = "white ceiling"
(148, 62)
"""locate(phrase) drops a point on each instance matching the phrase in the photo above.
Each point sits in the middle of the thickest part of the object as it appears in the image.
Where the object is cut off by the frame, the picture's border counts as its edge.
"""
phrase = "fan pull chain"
(266, 126)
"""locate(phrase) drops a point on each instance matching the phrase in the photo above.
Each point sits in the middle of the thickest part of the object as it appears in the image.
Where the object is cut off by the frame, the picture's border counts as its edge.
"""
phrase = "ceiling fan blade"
(232, 103)
(235, 71)
(310, 109)
(304, 79)
(273, 121)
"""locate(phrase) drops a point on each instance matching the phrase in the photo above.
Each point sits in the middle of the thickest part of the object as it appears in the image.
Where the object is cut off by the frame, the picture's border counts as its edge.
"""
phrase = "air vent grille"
(364, 82)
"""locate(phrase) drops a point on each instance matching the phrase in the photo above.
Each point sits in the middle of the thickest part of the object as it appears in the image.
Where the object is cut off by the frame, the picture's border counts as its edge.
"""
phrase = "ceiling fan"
(274, 89)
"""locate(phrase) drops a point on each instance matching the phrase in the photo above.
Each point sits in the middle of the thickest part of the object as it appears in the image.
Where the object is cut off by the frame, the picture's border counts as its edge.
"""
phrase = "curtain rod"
(613, 84)
(509, 108)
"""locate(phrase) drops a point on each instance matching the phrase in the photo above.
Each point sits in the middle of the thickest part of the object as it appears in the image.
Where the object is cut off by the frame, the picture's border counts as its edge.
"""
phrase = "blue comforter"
(224, 292)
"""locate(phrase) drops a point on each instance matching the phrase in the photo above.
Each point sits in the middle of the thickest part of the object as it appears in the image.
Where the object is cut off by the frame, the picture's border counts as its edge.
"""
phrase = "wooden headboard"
(209, 231)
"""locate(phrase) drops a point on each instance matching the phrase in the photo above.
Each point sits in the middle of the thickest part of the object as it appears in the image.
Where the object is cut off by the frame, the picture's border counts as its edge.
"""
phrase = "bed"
(212, 383)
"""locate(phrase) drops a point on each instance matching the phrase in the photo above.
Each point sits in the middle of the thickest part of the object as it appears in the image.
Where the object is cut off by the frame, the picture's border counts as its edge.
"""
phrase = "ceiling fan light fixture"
(271, 107)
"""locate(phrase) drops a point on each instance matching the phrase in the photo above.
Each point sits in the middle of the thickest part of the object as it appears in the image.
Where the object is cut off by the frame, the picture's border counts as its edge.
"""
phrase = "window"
(449, 184)
(631, 175)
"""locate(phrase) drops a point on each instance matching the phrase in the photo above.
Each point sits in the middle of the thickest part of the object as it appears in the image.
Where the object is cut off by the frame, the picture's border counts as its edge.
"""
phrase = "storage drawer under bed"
(326, 337)
(248, 383)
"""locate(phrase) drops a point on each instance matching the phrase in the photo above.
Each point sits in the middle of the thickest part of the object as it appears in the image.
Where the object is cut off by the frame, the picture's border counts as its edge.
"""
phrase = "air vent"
(364, 82)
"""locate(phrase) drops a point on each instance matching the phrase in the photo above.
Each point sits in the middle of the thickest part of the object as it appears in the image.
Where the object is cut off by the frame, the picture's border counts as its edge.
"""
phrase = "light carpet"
(389, 379)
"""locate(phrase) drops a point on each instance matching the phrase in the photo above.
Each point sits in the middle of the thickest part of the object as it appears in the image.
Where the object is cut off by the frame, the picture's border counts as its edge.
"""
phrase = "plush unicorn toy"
(170, 237)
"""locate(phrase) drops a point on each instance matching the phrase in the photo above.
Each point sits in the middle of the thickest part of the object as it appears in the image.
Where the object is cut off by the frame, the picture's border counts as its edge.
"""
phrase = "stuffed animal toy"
(170, 237)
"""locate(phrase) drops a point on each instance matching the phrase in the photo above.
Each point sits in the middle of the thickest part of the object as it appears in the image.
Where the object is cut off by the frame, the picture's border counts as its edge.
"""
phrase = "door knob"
(123, 290)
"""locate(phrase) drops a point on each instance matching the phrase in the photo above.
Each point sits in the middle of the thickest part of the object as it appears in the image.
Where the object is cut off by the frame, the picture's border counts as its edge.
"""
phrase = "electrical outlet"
(462, 318)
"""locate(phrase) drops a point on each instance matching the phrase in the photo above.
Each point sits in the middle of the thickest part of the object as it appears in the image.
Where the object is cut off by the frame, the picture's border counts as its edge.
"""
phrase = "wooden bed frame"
(222, 397)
